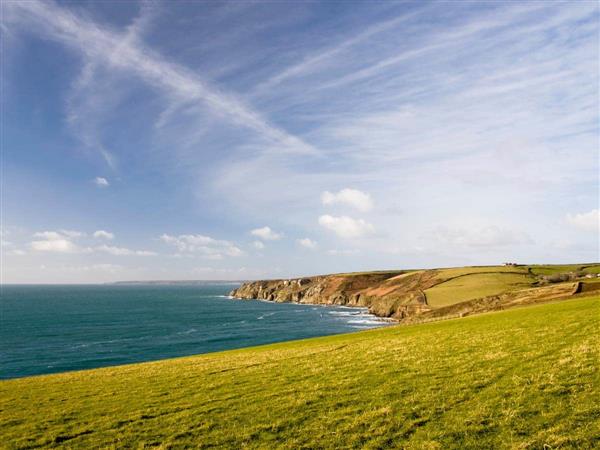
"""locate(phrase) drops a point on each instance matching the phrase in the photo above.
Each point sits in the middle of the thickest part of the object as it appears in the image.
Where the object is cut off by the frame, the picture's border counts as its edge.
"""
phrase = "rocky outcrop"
(387, 294)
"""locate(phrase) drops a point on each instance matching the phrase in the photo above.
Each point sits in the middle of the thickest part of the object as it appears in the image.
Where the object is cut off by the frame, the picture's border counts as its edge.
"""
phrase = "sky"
(146, 140)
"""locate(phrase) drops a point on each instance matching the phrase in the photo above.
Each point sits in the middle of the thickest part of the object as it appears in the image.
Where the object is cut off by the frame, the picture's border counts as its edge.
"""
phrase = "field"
(552, 269)
(456, 285)
(523, 378)
(475, 285)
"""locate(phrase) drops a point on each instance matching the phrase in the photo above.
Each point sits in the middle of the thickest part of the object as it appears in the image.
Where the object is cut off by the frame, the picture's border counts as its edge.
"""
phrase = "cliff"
(395, 294)
(415, 295)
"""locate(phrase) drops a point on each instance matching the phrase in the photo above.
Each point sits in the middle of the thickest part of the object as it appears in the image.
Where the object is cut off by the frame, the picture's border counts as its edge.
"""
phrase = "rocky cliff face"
(401, 294)
(386, 294)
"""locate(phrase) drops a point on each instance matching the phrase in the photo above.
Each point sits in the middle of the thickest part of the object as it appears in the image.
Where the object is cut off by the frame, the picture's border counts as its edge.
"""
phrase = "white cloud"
(351, 197)
(121, 251)
(57, 241)
(55, 245)
(589, 221)
(17, 252)
(266, 234)
(62, 242)
(203, 245)
(307, 243)
(258, 245)
(101, 234)
(345, 226)
(101, 182)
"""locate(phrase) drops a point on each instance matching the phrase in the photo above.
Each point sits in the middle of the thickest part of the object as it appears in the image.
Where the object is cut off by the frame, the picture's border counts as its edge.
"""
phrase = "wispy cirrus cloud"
(121, 51)
(415, 123)
(314, 61)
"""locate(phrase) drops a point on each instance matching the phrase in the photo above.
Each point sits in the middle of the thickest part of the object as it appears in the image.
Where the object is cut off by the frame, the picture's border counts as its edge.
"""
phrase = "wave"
(190, 331)
(345, 313)
(365, 322)
(265, 315)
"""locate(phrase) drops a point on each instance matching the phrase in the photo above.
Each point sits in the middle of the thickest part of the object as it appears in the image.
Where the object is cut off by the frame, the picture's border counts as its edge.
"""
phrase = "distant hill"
(417, 295)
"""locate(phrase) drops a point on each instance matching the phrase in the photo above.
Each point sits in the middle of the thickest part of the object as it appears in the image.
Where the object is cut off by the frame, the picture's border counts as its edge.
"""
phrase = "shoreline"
(321, 305)
(363, 311)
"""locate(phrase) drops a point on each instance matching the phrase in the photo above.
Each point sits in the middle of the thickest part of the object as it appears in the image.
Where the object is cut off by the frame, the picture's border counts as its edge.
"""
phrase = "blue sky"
(236, 140)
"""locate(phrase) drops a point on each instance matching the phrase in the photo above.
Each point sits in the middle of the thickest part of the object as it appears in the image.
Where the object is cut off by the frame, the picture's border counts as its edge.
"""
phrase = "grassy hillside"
(475, 285)
(524, 378)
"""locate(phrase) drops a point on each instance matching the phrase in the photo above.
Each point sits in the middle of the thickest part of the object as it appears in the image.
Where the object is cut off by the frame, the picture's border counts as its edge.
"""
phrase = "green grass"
(564, 268)
(459, 271)
(594, 269)
(524, 378)
(473, 286)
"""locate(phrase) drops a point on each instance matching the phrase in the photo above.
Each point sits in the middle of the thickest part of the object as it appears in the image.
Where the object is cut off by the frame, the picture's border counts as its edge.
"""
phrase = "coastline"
(360, 310)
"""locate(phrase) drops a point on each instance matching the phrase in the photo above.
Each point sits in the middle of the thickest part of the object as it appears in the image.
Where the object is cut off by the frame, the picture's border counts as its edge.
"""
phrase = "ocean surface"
(47, 329)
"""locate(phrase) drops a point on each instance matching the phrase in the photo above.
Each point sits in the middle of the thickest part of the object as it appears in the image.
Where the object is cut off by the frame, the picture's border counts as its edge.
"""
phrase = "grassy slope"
(467, 283)
(552, 269)
(475, 286)
(514, 379)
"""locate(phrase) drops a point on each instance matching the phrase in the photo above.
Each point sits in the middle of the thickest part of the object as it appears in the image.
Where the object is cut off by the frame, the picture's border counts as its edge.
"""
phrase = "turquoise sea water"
(46, 329)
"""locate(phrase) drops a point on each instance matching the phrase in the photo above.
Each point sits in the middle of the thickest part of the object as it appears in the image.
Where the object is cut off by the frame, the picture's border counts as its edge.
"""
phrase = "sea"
(57, 328)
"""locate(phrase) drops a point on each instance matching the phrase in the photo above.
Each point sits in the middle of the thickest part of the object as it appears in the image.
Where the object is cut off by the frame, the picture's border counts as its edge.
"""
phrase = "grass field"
(475, 286)
(460, 271)
(523, 378)
(552, 269)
